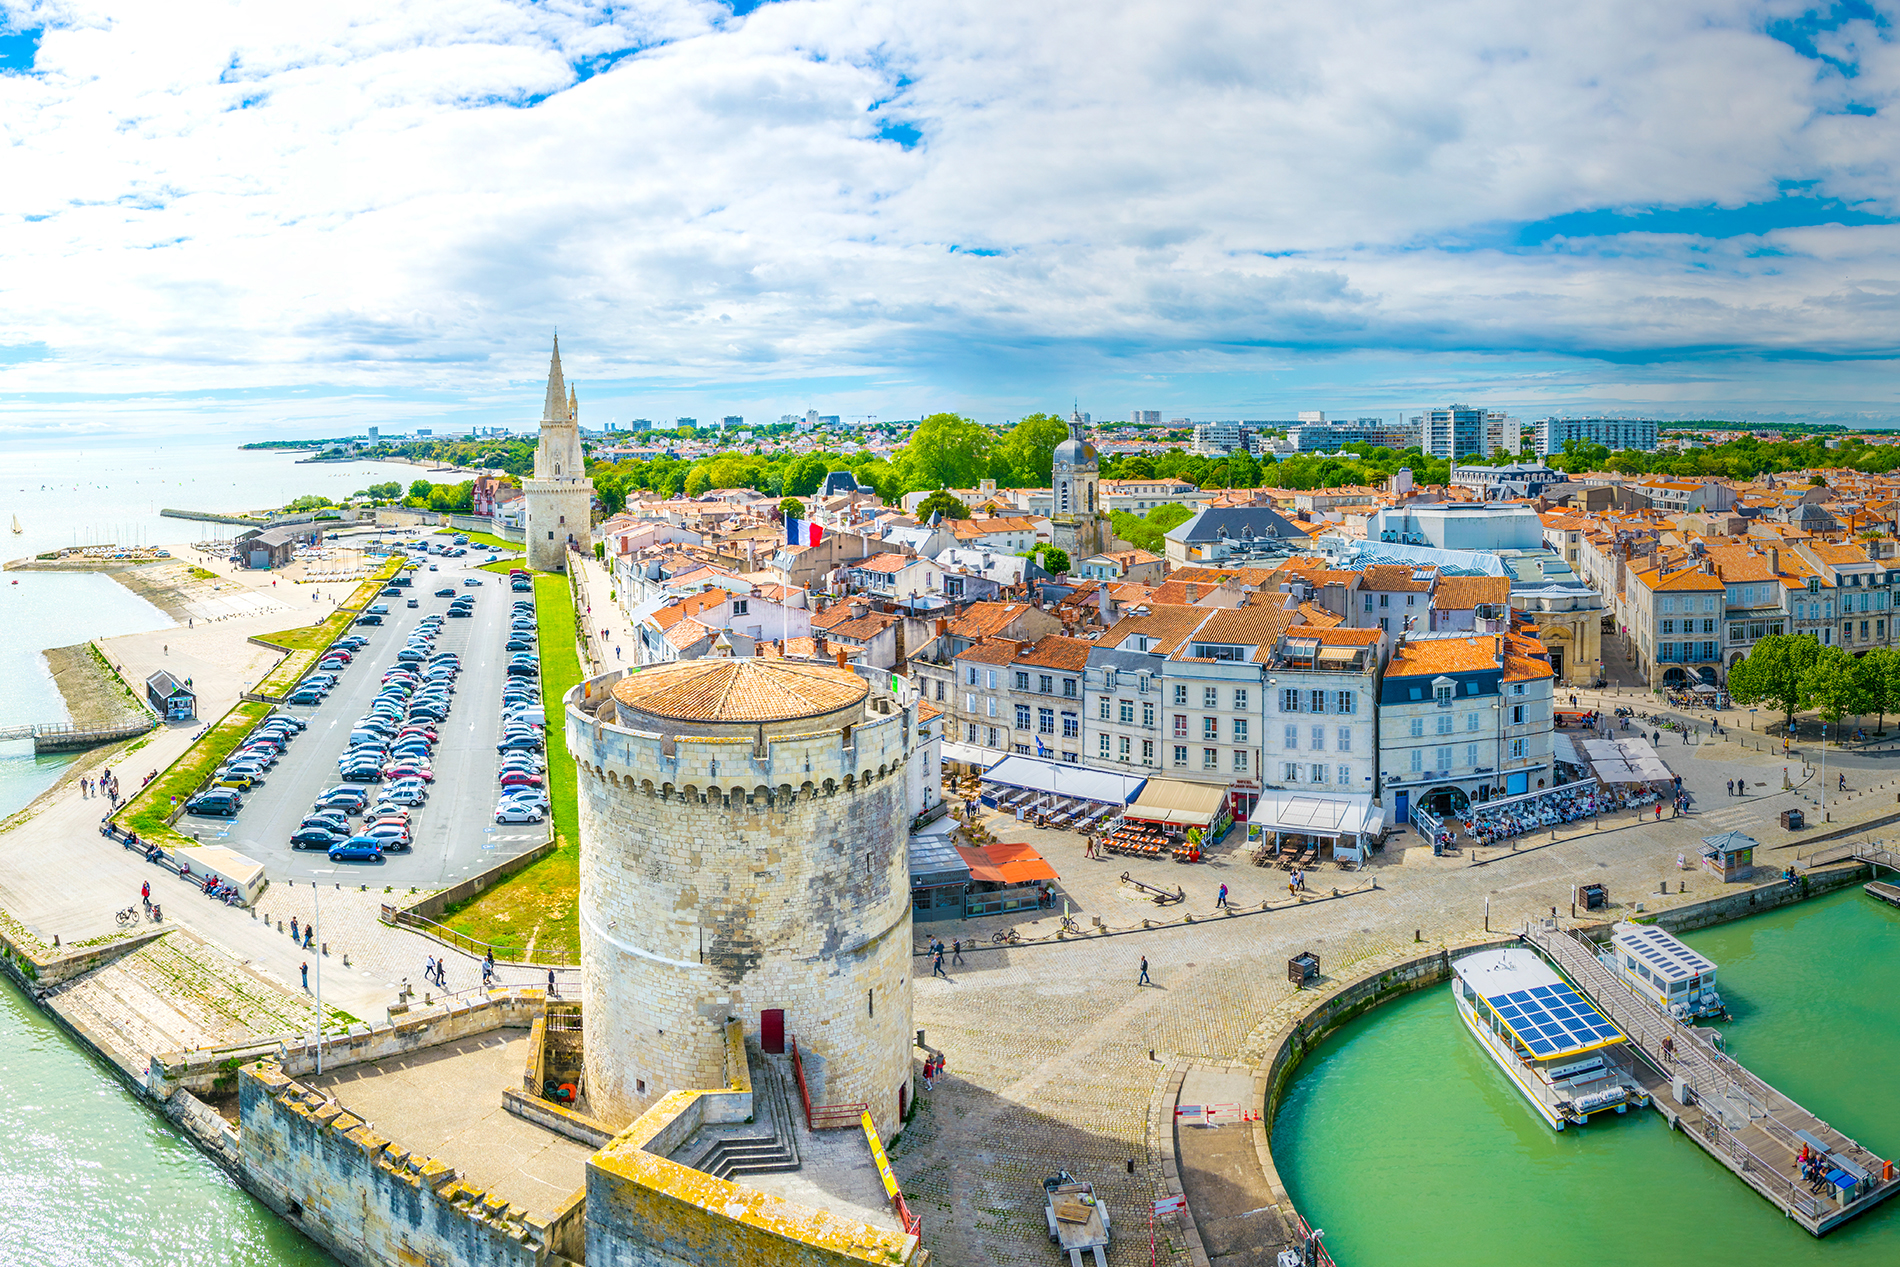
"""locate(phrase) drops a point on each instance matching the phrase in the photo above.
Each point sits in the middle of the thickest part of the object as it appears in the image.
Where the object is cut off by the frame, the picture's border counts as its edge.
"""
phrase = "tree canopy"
(1776, 673)
(941, 502)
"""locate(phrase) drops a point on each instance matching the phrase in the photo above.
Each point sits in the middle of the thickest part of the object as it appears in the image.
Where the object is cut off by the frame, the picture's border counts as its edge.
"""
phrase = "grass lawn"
(541, 904)
(148, 809)
(306, 645)
(365, 593)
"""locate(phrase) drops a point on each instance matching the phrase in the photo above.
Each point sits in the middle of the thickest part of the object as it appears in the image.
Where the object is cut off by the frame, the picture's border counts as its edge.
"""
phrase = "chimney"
(1774, 560)
(841, 657)
(818, 641)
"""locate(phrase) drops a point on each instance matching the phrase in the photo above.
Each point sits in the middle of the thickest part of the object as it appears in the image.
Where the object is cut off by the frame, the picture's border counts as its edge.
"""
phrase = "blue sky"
(236, 217)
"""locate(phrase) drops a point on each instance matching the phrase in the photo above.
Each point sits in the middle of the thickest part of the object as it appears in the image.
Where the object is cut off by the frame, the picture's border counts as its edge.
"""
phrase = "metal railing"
(396, 916)
(1716, 1080)
(823, 1117)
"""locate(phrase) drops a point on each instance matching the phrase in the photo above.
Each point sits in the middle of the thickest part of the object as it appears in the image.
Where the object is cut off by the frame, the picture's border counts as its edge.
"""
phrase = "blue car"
(358, 849)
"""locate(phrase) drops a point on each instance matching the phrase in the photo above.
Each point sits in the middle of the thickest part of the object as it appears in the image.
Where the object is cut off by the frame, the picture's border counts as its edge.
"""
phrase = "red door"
(772, 1031)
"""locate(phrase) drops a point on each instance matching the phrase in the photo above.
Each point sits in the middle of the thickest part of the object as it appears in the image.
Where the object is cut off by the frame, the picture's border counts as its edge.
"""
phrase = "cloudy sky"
(256, 216)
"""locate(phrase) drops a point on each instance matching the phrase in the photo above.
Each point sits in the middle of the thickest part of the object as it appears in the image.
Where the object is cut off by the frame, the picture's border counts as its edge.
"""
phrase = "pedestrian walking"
(936, 969)
(1659, 811)
(428, 969)
(1731, 787)
(306, 976)
(1143, 979)
(550, 983)
(1843, 786)
(956, 950)
(293, 928)
(1221, 901)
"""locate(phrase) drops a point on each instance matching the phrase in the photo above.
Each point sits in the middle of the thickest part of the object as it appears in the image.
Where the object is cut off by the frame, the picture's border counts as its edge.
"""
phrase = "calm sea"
(111, 494)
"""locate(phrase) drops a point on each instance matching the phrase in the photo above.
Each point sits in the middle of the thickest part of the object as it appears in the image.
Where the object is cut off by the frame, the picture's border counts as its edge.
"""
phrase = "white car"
(515, 812)
(406, 792)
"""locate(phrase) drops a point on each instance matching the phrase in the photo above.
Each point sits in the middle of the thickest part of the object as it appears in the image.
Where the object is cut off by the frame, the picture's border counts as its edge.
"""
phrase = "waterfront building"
(1674, 615)
(559, 495)
(1321, 732)
(1613, 433)
(1463, 718)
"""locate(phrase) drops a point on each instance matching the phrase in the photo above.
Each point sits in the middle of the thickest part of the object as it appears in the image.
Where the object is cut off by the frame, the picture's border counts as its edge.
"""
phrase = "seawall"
(1352, 999)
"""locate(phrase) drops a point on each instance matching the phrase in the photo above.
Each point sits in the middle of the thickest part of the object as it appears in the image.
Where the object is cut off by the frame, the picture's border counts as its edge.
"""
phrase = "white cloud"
(409, 195)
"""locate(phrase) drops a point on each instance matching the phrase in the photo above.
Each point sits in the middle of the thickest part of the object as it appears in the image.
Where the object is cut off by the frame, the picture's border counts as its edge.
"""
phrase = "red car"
(406, 771)
(519, 778)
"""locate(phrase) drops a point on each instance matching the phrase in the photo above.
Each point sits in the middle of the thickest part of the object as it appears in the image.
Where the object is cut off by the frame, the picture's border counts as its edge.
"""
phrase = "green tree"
(310, 501)
(1832, 685)
(698, 480)
(791, 508)
(1775, 673)
(804, 474)
(1027, 451)
(941, 502)
(1054, 559)
(946, 451)
(1137, 467)
(1879, 674)
(420, 490)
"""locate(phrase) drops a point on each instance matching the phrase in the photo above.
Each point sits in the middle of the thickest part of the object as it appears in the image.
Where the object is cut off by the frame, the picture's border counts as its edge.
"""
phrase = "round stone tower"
(743, 828)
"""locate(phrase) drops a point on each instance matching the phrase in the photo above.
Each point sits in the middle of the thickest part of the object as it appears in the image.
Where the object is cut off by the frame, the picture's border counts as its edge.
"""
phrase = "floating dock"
(1747, 1125)
(1888, 893)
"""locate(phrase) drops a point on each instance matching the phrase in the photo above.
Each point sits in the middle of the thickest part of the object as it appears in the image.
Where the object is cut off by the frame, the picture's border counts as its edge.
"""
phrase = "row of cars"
(393, 744)
(246, 766)
(322, 677)
(522, 771)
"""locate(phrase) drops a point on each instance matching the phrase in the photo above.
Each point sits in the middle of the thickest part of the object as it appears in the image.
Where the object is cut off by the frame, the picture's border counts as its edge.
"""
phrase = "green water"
(1408, 1146)
(89, 1174)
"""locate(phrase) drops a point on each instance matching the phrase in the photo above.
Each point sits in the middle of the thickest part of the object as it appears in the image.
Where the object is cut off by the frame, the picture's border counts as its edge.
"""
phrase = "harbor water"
(92, 1175)
(1407, 1145)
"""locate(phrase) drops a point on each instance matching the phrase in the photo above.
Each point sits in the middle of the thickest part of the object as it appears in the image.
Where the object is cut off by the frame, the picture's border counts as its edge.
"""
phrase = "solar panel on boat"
(1553, 1020)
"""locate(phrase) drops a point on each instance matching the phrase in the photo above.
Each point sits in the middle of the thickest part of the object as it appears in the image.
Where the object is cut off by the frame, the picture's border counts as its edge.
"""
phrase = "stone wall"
(369, 1202)
(1757, 899)
(720, 877)
(295, 1055)
(646, 1211)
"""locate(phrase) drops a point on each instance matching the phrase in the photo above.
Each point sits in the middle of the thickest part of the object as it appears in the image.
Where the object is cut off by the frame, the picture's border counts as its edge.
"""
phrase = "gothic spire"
(554, 408)
(573, 405)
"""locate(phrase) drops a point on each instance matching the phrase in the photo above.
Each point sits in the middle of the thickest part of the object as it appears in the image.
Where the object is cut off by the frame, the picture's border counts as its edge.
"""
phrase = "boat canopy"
(1664, 956)
(1541, 1010)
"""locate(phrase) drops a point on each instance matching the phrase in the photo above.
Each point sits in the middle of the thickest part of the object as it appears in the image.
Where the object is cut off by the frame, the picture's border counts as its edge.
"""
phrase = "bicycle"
(1006, 938)
(1069, 925)
(127, 917)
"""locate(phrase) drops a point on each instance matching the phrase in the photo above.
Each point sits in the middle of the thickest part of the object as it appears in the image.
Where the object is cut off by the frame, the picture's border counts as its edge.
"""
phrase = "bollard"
(1415, 935)
(280, 925)
(326, 948)
(346, 959)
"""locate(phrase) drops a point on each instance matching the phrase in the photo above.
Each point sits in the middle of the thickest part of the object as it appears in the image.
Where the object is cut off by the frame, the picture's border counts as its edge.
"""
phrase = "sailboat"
(16, 524)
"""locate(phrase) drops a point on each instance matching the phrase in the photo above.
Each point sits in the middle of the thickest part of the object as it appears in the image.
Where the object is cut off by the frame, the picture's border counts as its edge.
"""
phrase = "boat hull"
(1528, 1084)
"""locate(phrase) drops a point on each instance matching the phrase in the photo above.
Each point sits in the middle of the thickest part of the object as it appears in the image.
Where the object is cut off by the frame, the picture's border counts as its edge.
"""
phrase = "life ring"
(567, 1092)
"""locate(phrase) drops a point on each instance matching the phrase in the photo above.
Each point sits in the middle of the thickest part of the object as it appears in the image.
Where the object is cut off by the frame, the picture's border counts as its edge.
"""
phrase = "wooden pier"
(1747, 1125)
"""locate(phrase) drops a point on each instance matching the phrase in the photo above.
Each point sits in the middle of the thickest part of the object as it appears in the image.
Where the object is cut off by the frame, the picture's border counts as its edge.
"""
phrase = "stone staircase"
(766, 1145)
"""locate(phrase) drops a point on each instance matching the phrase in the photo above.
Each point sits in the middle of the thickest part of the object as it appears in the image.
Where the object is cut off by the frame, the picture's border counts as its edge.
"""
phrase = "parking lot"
(454, 832)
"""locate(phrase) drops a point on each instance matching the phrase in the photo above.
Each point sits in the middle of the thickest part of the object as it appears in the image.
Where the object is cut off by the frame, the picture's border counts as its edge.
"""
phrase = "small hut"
(1730, 855)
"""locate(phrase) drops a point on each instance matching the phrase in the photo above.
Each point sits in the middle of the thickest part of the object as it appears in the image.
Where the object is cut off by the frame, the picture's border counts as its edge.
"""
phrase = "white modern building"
(1613, 433)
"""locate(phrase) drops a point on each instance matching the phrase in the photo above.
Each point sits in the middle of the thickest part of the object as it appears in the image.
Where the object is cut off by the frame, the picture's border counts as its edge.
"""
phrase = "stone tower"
(743, 855)
(1080, 526)
(560, 496)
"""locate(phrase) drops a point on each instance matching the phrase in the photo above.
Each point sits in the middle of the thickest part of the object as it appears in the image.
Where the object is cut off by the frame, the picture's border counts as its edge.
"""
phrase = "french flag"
(800, 532)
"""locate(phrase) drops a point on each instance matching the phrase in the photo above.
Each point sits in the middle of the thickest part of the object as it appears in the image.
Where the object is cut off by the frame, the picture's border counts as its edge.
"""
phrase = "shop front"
(1316, 828)
(1173, 816)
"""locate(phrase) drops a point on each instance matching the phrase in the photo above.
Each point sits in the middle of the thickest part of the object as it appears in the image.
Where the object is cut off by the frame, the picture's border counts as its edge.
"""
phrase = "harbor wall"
(1756, 899)
(370, 1202)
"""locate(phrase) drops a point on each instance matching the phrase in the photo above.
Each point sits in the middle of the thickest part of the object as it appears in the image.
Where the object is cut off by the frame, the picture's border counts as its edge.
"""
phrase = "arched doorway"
(1707, 674)
(1674, 677)
(1733, 661)
(1446, 802)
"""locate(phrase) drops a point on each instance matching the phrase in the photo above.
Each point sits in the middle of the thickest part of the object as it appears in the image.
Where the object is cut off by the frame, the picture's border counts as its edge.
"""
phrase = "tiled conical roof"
(746, 691)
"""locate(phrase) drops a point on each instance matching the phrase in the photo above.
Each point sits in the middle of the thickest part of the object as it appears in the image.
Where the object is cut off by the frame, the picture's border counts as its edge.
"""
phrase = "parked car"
(317, 838)
(445, 592)
(210, 803)
(357, 849)
(394, 836)
(369, 620)
(471, 581)
(378, 609)
(510, 812)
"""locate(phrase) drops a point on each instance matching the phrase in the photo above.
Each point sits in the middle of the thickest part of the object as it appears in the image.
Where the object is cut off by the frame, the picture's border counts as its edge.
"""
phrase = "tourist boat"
(1563, 1055)
(1663, 970)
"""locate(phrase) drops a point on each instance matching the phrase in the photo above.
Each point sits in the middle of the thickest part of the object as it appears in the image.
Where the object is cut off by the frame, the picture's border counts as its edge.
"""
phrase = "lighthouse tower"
(560, 496)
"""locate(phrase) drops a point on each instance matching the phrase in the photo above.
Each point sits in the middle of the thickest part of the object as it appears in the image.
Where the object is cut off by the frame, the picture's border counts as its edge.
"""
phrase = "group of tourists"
(107, 785)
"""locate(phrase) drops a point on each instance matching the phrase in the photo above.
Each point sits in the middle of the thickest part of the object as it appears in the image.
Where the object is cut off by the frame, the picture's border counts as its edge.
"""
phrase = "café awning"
(1625, 761)
(1182, 804)
(1059, 778)
(1006, 864)
(1318, 814)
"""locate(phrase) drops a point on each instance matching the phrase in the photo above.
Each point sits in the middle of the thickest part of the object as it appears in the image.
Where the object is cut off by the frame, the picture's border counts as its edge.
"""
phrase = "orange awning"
(1007, 864)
